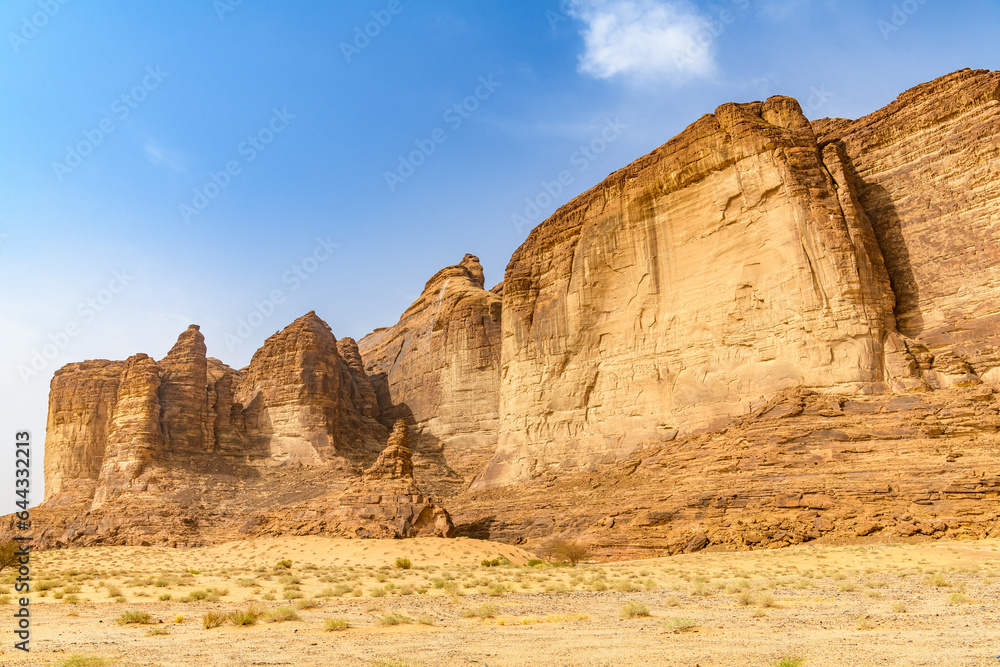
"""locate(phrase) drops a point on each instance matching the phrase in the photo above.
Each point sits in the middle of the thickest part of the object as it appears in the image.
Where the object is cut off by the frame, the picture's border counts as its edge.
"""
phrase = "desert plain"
(432, 601)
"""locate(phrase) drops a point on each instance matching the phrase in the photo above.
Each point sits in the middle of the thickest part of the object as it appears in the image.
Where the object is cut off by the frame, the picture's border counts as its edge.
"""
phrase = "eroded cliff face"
(439, 369)
(81, 399)
(147, 451)
(724, 267)
(302, 401)
(926, 168)
(765, 332)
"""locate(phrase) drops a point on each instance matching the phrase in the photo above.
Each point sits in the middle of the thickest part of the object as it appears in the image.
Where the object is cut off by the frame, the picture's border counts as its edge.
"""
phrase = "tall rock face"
(135, 432)
(302, 402)
(925, 169)
(724, 267)
(184, 395)
(439, 369)
(767, 331)
(81, 399)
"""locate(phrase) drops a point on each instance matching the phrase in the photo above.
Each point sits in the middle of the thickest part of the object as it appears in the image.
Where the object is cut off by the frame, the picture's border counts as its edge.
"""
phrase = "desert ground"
(429, 602)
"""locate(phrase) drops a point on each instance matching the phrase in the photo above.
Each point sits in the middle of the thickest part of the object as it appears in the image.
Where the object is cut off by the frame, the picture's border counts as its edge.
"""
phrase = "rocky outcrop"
(81, 399)
(717, 271)
(805, 466)
(184, 395)
(135, 433)
(386, 502)
(925, 170)
(767, 331)
(298, 398)
(439, 369)
(748, 256)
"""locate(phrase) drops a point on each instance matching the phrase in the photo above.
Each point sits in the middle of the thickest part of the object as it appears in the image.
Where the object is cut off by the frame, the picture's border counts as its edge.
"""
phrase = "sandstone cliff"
(186, 449)
(767, 331)
(439, 368)
(746, 257)
(81, 399)
(302, 401)
(925, 170)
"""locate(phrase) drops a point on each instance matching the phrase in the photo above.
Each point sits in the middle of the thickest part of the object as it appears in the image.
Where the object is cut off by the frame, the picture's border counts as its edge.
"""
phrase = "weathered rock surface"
(386, 502)
(187, 450)
(135, 432)
(925, 170)
(765, 332)
(803, 467)
(746, 257)
(184, 395)
(81, 398)
(302, 403)
(439, 368)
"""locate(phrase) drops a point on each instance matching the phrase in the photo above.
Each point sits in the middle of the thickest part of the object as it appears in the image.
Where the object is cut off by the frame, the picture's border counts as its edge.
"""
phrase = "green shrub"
(403, 564)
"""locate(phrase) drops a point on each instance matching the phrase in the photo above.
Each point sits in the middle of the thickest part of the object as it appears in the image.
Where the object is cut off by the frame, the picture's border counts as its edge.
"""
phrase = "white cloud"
(645, 39)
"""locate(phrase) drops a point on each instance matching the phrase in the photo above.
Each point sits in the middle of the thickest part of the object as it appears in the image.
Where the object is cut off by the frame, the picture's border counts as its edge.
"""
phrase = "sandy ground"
(932, 603)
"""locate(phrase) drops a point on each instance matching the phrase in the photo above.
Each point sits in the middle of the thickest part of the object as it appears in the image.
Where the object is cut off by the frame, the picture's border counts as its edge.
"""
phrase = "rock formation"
(805, 466)
(188, 435)
(302, 403)
(745, 257)
(81, 399)
(925, 170)
(766, 331)
(386, 502)
(439, 368)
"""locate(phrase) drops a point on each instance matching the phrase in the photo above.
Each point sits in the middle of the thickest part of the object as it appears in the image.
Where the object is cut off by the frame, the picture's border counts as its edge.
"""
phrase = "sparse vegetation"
(84, 661)
(679, 624)
(790, 661)
(282, 615)
(394, 619)
(485, 610)
(336, 624)
(248, 616)
(634, 610)
(213, 619)
(134, 617)
(565, 551)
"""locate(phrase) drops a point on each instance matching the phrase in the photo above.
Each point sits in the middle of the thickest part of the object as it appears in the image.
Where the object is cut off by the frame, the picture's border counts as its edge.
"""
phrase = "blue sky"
(173, 164)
